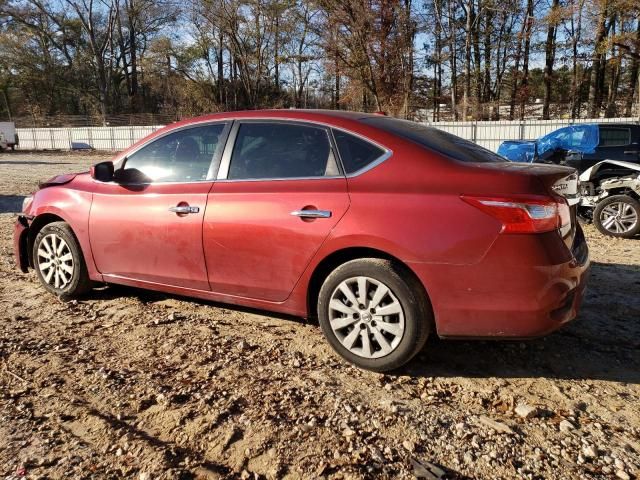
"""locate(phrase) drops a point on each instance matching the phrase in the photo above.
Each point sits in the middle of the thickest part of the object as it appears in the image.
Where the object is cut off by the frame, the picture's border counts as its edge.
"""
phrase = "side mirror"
(130, 176)
(103, 171)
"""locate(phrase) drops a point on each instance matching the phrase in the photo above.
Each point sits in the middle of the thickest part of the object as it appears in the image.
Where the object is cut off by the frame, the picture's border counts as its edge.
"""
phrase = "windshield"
(433, 139)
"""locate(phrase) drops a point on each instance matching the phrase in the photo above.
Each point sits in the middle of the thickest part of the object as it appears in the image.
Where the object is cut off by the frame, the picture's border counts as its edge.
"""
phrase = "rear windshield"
(434, 139)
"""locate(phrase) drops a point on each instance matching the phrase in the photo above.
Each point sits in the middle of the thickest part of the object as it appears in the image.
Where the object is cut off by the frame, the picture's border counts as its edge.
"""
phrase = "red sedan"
(385, 229)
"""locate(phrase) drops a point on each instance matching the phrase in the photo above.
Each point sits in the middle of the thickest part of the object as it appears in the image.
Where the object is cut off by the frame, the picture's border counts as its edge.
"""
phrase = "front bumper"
(526, 286)
(20, 243)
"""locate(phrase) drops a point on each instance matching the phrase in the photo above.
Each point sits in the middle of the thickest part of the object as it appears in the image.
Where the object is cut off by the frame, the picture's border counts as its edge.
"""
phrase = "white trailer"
(8, 131)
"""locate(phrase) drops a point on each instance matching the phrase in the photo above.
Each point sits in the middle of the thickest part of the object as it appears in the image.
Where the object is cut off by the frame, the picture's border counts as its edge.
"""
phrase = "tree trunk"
(133, 56)
(524, 86)
(477, 71)
(595, 96)
(550, 56)
(488, 31)
(634, 77)
(467, 59)
(220, 62)
(576, 32)
(276, 60)
(454, 64)
(612, 94)
(515, 76)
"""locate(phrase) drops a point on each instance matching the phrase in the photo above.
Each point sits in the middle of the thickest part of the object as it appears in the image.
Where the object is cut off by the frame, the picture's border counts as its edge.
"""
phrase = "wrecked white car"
(610, 197)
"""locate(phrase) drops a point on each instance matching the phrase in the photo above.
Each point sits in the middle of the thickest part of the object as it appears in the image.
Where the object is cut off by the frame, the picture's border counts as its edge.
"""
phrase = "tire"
(626, 225)
(58, 261)
(403, 334)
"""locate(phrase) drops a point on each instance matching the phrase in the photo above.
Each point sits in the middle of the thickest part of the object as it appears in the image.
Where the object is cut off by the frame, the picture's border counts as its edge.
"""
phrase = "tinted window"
(182, 156)
(434, 139)
(355, 153)
(614, 137)
(280, 150)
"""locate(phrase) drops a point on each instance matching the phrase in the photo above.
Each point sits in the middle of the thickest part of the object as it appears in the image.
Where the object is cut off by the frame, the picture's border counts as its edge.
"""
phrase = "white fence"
(491, 134)
(487, 134)
(100, 138)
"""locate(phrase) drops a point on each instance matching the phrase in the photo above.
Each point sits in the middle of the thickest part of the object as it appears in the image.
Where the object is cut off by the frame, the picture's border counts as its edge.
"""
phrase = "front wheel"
(618, 216)
(374, 313)
(58, 261)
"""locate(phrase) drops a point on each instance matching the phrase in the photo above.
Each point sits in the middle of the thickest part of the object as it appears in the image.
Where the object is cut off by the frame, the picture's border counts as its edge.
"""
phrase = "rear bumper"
(20, 244)
(526, 286)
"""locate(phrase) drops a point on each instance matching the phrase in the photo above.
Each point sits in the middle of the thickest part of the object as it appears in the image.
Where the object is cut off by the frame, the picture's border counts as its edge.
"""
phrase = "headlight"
(26, 203)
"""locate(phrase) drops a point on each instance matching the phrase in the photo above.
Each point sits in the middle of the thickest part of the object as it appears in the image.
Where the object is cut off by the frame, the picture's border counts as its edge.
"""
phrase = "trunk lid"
(554, 180)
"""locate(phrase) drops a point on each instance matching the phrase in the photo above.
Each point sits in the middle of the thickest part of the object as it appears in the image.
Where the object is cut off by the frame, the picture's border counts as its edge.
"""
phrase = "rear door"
(278, 195)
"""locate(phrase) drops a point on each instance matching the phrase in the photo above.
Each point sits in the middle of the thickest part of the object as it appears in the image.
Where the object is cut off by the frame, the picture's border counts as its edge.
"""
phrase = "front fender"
(71, 206)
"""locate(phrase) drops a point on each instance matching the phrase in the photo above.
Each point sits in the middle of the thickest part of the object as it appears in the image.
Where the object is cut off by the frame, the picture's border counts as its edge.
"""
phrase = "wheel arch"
(341, 256)
(38, 224)
(623, 191)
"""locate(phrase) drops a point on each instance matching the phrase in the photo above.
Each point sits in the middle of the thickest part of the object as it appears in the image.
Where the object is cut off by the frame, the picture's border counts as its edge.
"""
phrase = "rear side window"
(280, 150)
(434, 139)
(614, 137)
(355, 152)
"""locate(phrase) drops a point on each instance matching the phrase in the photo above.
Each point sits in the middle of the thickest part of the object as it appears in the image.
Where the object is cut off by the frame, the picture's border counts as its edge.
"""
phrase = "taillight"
(524, 213)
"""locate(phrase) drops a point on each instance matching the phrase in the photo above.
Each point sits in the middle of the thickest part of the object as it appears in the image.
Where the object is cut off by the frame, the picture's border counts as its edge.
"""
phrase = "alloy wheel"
(55, 261)
(618, 217)
(366, 317)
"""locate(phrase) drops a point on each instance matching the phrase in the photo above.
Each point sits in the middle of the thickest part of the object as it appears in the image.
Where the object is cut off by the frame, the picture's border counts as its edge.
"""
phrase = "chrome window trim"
(225, 164)
(276, 179)
(382, 158)
(229, 141)
(214, 163)
(124, 185)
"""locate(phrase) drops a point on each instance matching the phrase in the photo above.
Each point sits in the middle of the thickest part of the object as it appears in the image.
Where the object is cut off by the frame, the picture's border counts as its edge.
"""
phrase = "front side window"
(181, 156)
(614, 137)
(281, 150)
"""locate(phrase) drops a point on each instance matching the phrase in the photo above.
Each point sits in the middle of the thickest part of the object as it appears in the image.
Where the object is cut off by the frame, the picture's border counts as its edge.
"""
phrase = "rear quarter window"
(355, 152)
(433, 139)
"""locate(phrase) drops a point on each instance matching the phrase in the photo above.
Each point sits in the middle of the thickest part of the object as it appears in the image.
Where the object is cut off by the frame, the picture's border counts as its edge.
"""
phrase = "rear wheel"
(618, 216)
(374, 314)
(58, 261)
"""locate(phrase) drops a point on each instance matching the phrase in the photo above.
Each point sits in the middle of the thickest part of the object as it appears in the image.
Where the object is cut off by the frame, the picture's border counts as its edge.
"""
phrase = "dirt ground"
(128, 383)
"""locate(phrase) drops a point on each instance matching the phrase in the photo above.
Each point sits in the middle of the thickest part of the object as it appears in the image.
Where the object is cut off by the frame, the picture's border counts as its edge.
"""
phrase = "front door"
(278, 196)
(147, 225)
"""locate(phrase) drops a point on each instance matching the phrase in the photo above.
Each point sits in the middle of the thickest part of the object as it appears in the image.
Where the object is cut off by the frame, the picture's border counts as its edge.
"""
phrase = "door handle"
(184, 209)
(631, 152)
(312, 213)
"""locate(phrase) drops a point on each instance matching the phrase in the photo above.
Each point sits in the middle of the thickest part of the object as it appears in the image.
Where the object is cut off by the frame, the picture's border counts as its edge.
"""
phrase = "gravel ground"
(136, 384)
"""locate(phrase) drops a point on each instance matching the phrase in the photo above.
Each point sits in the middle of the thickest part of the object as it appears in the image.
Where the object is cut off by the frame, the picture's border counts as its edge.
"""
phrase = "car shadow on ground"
(11, 203)
(603, 343)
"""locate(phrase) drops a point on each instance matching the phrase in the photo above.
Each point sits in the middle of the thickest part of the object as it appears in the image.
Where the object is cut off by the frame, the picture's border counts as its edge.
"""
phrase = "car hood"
(58, 180)
(518, 150)
(589, 173)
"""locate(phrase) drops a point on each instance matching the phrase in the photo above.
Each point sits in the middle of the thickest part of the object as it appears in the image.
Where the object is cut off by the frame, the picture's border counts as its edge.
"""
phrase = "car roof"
(290, 113)
(614, 124)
